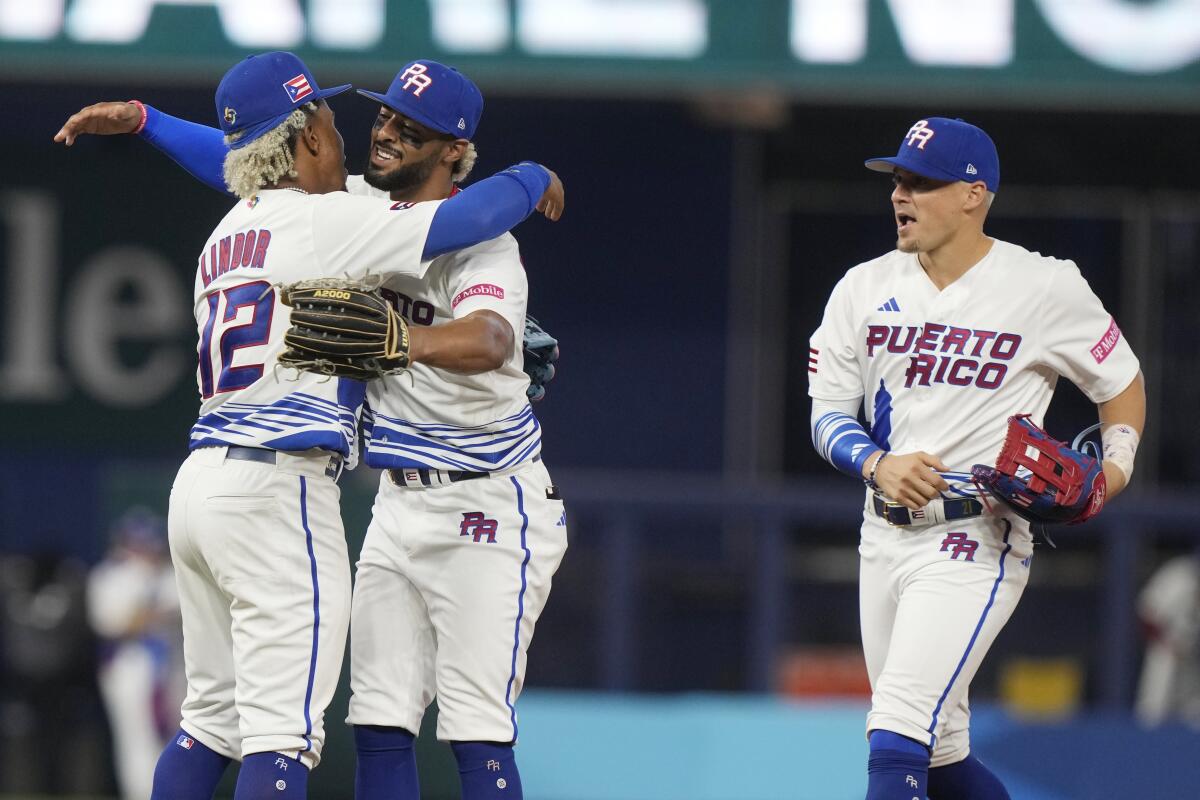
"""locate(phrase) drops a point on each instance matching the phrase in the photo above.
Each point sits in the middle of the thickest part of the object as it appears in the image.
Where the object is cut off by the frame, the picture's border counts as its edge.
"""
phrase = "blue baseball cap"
(436, 96)
(260, 91)
(946, 150)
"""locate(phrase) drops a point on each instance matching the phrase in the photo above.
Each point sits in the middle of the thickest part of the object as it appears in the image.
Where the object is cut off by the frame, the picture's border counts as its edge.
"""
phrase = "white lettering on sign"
(263, 23)
(101, 320)
(651, 28)
(1142, 37)
(23, 20)
(124, 295)
(471, 26)
(29, 369)
(1136, 36)
(346, 24)
(942, 32)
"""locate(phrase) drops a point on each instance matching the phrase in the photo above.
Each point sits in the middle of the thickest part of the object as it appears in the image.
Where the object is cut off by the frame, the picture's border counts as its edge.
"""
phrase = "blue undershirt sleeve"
(199, 149)
(487, 209)
(839, 437)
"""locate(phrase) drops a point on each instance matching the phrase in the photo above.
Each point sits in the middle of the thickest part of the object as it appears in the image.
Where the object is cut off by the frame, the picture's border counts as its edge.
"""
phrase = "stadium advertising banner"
(1063, 52)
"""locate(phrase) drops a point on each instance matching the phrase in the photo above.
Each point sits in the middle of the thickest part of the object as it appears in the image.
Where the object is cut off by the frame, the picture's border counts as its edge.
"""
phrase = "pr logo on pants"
(957, 544)
(477, 526)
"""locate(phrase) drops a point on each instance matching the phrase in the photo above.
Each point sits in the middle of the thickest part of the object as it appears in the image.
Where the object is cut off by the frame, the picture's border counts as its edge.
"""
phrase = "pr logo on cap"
(416, 75)
(920, 132)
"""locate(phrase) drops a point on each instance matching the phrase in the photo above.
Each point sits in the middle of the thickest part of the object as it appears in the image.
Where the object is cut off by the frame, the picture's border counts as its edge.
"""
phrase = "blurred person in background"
(133, 607)
(1169, 608)
(47, 664)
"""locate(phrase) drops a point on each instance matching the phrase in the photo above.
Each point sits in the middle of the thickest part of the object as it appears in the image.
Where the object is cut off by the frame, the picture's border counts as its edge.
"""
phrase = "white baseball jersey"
(441, 419)
(280, 237)
(941, 371)
(453, 577)
(256, 536)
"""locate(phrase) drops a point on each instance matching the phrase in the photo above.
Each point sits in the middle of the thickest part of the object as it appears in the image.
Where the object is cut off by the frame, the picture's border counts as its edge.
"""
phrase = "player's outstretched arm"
(197, 148)
(494, 206)
(1122, 420)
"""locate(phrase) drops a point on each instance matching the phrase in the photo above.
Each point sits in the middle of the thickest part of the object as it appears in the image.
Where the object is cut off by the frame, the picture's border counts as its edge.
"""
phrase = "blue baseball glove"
(1041, 478)
(541, 351)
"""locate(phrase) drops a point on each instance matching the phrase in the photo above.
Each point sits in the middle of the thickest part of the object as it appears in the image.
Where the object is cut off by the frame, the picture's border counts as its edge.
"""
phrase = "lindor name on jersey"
(948, 354)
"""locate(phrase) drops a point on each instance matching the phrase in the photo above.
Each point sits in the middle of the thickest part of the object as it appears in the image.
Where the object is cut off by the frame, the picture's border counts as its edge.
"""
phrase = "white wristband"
(1120, 447)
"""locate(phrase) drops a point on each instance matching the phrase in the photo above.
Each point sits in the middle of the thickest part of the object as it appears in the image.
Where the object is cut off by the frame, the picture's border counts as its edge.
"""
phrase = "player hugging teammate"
(467, 527)
(954, 342)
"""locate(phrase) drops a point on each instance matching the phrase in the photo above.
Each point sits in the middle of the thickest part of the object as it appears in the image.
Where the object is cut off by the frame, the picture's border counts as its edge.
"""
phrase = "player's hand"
(911, 478)
(102, 118)
(554, 199)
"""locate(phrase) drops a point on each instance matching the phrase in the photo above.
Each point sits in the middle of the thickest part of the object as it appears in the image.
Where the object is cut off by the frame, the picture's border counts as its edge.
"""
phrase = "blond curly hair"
(268, 158)
(462, 167)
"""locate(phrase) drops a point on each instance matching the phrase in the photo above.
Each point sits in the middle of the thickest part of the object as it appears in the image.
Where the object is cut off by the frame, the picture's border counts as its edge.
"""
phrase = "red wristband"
(141, 123)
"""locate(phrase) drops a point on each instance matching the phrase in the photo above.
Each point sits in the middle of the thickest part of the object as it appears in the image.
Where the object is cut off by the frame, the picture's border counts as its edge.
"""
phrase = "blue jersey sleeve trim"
(842, 441)
(486, 210)
(197, 148)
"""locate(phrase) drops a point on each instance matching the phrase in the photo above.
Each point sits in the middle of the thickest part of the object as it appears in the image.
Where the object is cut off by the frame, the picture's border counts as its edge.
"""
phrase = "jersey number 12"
(237, 329)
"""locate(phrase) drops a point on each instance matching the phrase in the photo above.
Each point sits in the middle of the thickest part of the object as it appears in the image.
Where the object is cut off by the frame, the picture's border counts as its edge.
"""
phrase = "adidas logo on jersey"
(890, 305)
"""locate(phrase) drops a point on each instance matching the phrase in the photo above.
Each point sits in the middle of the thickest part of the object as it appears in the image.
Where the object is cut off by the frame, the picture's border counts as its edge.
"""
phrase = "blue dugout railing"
(618, 508)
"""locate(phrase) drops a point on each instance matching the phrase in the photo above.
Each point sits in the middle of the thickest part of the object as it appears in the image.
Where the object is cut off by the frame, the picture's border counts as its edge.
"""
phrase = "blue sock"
(487, 770)
(387, 764)
(898, 767)
(271, 776)
(187, 770)
(969, 779)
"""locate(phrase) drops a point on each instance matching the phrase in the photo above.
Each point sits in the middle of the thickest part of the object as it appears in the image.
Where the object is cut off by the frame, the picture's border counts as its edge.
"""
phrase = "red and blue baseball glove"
(1041, 478)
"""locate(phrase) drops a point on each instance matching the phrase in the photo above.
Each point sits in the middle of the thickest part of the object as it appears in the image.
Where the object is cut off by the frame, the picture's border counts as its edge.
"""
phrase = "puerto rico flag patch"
(298, 88)
(402, 205)
(488, 289)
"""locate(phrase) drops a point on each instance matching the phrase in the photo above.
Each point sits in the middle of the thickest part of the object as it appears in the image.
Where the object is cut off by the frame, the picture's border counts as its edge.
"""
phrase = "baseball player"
(255, 532)
(1169, 610)
(467, 529)
(133, 607)
(940, 341)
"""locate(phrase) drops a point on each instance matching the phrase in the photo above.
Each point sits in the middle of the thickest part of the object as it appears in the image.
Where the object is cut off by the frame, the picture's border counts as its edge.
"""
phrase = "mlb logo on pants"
(185, 742)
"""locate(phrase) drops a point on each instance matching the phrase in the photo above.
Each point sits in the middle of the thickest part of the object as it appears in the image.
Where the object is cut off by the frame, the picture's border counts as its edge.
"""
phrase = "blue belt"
(953, 508)
(265, 456)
